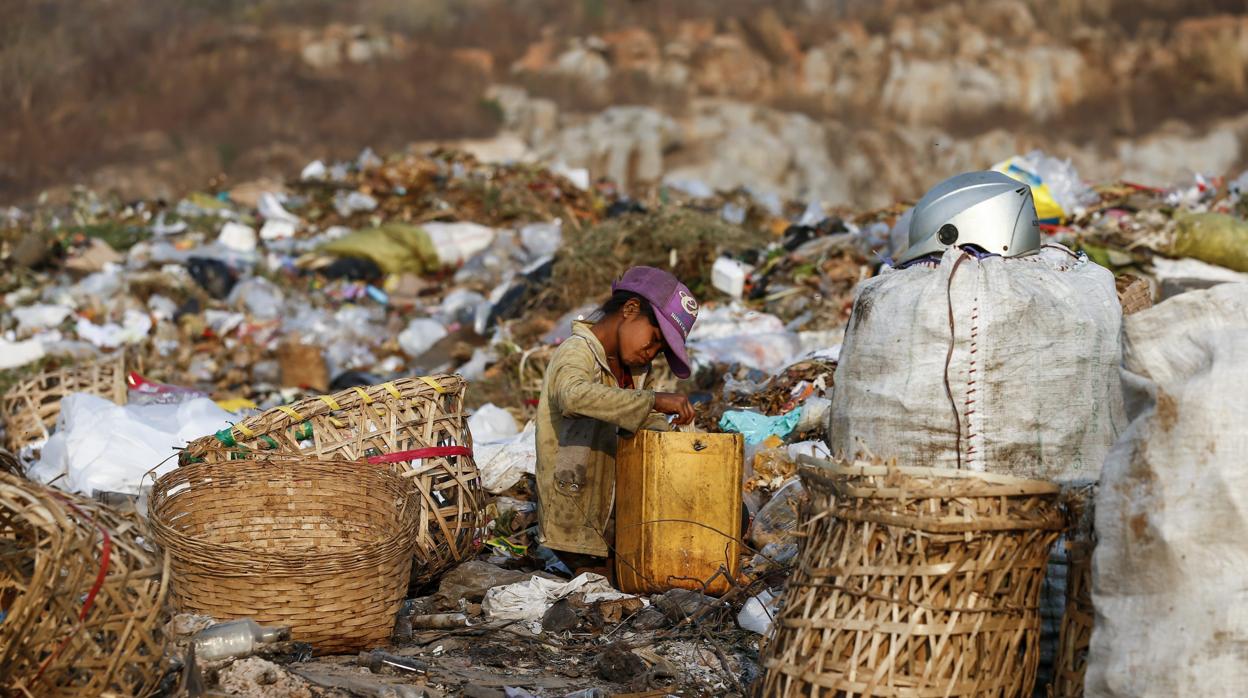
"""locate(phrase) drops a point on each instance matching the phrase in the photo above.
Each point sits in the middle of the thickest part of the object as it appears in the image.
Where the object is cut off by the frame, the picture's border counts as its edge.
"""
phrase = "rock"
(776, 41)
(624, 143)
(618, 665)
(560, 617)
(679, 604)
(633, 49)
(727, 67)
(1158, 158)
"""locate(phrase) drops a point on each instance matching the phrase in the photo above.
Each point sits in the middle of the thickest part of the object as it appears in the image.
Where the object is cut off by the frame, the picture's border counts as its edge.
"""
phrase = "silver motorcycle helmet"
(986, 209)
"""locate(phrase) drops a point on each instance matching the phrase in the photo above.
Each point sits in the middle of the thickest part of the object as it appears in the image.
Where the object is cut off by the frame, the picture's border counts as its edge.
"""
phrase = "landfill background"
(248, 204)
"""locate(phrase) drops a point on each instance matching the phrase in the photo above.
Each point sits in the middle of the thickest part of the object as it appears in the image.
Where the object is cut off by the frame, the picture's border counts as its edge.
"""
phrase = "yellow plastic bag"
(395, 247)
(1214, 238)
(1047, 208)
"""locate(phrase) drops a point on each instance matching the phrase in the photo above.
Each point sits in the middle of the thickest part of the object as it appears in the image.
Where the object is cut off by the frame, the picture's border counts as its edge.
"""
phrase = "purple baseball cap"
(674, 306)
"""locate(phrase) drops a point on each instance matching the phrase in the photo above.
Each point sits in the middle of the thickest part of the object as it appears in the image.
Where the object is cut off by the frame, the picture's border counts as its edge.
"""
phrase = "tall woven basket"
(321, 546)
(416, 424)
(83, 599)
(32, 406)
(914, 582)
(1075, 635)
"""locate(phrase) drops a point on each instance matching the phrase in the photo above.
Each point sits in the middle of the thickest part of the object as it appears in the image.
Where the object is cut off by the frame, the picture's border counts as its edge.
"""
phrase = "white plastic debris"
(133, 329)
(767, 352)
(40, 316)
(261, 297)
(421, 334)
(237, 237)
(729, 275)
(314, 170)
(504, 462)
(348, 203)
(15, 354)
(457, 242)
(270, 206)
(100, 446)
(578, 176)
(491, 423)
(759, 612)
(542, 239)
(277, 230)
(529, 600)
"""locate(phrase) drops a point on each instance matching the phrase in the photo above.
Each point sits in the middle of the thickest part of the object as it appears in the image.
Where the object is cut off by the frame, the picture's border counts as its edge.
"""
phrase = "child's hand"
(674, 403)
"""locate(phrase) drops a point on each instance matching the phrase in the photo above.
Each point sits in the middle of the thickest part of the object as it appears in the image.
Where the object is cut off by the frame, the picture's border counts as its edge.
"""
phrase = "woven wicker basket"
(385, 423)
(321, 546)
(914, 582)
(83, 599)
(32, 406)
(1075, 635)
(10, 464)
(1134, 293)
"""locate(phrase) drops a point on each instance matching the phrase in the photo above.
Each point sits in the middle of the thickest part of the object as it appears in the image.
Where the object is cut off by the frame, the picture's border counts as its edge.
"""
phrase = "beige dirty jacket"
(579, 417)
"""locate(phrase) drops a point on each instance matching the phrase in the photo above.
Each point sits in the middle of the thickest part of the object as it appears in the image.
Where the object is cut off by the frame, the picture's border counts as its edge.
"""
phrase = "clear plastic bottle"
(236, 638)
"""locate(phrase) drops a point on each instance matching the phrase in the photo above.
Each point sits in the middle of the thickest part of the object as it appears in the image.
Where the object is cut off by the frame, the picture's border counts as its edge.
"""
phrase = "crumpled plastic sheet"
(529, 600)
(757, 427)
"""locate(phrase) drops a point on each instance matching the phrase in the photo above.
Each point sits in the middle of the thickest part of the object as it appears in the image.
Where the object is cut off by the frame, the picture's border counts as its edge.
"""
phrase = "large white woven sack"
(1030, 386)
(1172, 511)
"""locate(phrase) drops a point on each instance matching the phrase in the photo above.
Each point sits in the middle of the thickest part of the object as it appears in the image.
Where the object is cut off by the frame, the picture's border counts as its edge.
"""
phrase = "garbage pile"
(293, 305)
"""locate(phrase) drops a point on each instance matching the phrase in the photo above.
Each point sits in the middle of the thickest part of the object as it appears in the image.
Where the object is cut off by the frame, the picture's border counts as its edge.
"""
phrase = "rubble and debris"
(355, 274)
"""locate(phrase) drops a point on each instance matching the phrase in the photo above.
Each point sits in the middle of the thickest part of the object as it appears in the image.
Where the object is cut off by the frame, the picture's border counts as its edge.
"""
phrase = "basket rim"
(1000, 484)
(318, 406)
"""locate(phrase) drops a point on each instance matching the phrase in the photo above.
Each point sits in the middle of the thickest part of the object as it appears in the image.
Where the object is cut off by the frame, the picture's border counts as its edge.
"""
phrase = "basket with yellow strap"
(416, 424)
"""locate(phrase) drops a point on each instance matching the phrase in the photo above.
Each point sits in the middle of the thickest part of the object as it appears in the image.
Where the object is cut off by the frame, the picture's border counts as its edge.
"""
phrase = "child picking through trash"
(595, 388)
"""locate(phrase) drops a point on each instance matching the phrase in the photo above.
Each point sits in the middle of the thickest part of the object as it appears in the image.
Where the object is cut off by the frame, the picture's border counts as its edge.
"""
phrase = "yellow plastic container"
(677, 511)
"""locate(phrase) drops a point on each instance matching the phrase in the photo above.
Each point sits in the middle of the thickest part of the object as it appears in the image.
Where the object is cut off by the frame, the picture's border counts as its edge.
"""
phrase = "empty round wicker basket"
(416, 424)
(321, 546)
(914, 582)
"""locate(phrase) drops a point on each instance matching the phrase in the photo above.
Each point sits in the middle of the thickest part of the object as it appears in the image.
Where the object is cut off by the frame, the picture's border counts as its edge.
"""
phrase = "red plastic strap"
(106, 553)
(414, 454)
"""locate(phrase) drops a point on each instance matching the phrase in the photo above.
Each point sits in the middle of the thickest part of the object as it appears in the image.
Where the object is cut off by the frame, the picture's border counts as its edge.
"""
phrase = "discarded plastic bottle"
(236, 638)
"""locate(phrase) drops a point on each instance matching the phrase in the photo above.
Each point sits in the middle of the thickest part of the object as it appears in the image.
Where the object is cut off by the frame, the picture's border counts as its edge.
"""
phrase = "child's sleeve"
(576, 390)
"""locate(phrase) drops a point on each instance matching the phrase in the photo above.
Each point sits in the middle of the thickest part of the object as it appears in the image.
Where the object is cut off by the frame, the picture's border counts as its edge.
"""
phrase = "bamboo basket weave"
(382, 423)
(914, 582)
(1075, 635)
(83, 600)
(1134, 293)
(9, 464)
(32, 406)
(321, 546)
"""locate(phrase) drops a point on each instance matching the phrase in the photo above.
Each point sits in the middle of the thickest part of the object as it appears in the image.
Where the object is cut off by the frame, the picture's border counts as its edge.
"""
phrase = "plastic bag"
(420, 336)
(141, 391)
(1215, 238)
(529, 600)
(100, 446)
(759, 612)
(491, 423)
(777, 520)
(503, 463)
(757, 427)
(1055, 184)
